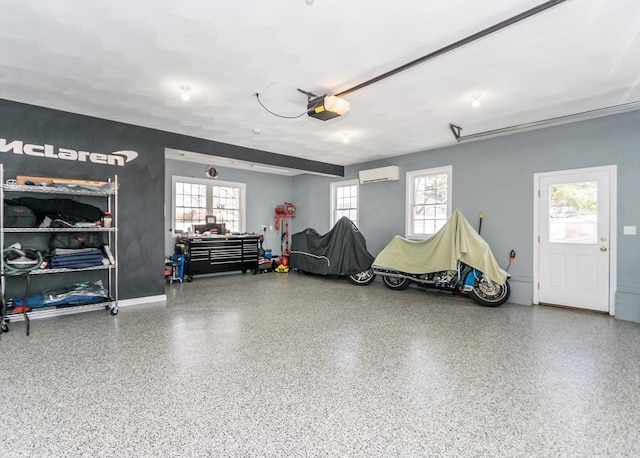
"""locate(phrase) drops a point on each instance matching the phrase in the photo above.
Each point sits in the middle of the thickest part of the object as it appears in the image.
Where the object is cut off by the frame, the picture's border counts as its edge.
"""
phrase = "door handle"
(603, 248)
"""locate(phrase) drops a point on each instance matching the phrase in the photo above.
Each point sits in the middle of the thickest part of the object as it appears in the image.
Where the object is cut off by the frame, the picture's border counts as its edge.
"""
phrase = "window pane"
(226, 206)
(430, 203)
(573, 212)
(193, 198)
(190, 208)
(345, 202)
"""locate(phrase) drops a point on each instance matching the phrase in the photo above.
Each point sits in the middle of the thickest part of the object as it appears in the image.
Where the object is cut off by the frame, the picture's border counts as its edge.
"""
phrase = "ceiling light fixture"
(185, 93)
(345, 138)
(476, 100)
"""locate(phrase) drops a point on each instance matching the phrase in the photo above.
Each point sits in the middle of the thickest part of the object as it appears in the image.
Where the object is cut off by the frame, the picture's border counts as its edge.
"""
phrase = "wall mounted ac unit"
(391, 173)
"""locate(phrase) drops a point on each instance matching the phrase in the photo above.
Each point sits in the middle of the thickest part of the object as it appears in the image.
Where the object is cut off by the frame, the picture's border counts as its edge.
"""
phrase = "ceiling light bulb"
(336, 104)
(345, 138)
(475, 103)
(185, 93)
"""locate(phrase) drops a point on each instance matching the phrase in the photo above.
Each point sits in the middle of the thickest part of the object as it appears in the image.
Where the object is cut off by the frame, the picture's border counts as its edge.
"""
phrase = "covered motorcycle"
(456, 258)
(341, 251)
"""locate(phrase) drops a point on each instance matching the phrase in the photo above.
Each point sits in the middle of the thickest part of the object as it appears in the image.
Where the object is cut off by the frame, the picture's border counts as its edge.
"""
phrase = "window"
(190, 205)
(226, 206)
(194, 199)
(344, 201)
(428, 201)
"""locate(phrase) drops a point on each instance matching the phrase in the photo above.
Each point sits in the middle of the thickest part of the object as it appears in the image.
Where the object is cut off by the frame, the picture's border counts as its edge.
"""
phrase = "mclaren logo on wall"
(119, 158)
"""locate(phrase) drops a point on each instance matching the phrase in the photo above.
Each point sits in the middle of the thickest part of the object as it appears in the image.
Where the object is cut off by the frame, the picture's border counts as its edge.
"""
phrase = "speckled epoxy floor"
(285, 365)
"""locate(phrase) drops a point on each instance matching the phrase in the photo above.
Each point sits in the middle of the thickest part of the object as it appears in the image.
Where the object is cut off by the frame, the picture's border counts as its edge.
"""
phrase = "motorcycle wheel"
(362, 278)
(396, 283)
(490, 294)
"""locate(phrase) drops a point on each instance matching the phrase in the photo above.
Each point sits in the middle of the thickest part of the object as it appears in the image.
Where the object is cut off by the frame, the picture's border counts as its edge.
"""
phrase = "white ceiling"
(126, 61)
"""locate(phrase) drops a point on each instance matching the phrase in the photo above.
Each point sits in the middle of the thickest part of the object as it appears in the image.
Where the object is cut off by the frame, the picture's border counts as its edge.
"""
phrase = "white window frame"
(334, 195)
(210, 184)
(410, 197)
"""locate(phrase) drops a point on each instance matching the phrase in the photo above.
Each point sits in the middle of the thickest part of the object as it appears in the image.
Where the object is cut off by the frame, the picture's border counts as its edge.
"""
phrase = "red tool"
(286, 211)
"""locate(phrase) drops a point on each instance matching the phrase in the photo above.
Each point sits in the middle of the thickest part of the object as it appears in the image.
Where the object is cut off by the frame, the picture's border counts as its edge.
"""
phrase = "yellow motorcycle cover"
(455, 241)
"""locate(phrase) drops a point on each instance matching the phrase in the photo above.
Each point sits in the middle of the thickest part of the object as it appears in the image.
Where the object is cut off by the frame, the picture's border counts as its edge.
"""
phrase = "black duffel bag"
(75, 240)
(19, 216)
(42, 207)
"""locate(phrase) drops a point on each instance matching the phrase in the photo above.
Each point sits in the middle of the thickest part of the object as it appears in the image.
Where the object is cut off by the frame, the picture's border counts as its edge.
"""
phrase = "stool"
(177, 268)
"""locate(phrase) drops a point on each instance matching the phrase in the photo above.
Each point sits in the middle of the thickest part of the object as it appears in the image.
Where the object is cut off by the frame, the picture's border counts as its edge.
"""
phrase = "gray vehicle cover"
(341, 251)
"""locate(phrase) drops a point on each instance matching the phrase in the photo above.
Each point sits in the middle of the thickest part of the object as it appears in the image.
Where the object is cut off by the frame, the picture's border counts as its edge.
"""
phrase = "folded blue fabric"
(71, 261)
(84, 256)
(79, 256)
(39, 300)
(65, 251)
(35, 301)
(75, 265)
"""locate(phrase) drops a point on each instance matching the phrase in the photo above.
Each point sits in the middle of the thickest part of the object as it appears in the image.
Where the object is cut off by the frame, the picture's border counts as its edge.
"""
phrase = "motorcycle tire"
(362, 278)
(396, 283)
(490, 294)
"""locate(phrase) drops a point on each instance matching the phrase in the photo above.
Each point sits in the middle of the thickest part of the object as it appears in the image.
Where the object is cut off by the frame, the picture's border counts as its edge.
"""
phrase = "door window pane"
(573, 212)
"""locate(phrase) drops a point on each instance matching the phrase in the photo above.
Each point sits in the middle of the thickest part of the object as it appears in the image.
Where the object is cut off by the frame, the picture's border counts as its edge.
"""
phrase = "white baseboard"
(142, 300)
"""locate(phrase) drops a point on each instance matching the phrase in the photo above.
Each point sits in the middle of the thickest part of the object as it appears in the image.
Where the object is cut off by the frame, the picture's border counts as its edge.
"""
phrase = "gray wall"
(495, 176)
(264, 192)
(140, 253)
(143, 228)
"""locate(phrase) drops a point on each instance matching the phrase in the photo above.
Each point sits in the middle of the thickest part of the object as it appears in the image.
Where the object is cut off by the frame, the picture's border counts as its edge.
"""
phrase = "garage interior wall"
(495, 176)
(263, 193)
(140, 199)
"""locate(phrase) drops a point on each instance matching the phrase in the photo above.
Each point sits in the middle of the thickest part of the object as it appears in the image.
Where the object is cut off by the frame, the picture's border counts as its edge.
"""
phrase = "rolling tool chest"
(220, 253)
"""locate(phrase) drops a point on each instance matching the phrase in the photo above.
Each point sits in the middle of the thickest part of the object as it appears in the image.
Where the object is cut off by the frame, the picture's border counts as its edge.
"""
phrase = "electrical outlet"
(264, 228)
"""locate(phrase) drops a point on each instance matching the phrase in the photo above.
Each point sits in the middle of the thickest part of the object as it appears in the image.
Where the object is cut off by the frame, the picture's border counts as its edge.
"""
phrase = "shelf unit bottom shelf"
(47, 312)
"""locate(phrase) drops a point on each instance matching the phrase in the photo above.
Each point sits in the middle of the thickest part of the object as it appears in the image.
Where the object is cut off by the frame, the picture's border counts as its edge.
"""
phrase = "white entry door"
(574, 243)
